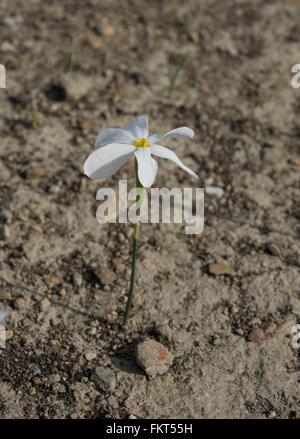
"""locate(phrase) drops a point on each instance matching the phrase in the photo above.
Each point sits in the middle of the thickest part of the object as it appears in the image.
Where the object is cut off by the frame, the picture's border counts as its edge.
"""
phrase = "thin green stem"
(175, 76)
(70, 56)
(34, 111)
(134, 255)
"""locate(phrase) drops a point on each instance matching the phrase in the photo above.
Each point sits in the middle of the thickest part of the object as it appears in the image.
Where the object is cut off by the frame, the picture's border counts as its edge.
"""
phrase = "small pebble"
(58, 388)
(108, 31)
(90, 356)
(34, 172)
(105, 276)
(222, 268)
(36, 370)
(7, 47)
(4, 232)
(270, 328)
(273, 249)
(208, 181)
(286, 325)
(19, 303)
(77, 279)
(5, 295)
(213, 190)
(91, 331)
(153, 358)
(256, 335)
(8, 335)
(12, 20)
(5, 215)
(104, 378)
(164, 331)
(53, 189)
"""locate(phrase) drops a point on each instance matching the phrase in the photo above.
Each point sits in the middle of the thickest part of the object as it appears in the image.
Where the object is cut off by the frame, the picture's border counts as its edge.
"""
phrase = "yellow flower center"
(141, 143)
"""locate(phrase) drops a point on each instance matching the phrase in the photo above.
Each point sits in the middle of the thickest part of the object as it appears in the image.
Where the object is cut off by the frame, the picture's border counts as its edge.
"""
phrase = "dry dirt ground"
(235, 92)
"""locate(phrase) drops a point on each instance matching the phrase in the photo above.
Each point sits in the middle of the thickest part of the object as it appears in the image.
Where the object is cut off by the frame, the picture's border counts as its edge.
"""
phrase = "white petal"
(147, 166)
(138, 127)
(113, 135)
(178, 133)
(3, 314)
(107, 160)
(165, 153)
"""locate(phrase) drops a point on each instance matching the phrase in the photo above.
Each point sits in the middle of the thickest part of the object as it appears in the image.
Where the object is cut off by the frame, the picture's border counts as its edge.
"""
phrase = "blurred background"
(227, 298)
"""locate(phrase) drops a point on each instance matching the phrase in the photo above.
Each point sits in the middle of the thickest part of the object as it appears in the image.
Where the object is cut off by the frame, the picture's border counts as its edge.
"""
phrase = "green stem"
(134, 255)
(174, 77)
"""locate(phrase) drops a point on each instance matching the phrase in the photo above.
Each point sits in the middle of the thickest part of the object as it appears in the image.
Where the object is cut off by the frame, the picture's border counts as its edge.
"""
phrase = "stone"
(286, 325)
(118, 264)
(53, 189)
(31, 251)
(58, 388)
(77, 279)
(5, 295)
(91, 331)
(36, 370)
(12, 20)
(19, 303)
(153, 358)
(7, 47)
(216, 191)
(256, 335)
(9, 335)
(105, 276)
(273, 249)
(108, 31)
(4, 232)
(271, 327)
(164, 331)
(221, 268)
(77, 85)
(51, 280)
(90, 356)
(34, 172)
(104, 379)
(5, 215)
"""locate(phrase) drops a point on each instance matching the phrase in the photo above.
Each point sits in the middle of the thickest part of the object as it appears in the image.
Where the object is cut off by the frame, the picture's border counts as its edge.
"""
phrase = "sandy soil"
(235, 92)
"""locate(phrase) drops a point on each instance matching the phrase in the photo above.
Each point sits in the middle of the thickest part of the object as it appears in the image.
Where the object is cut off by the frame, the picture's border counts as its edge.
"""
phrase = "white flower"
(118, 145)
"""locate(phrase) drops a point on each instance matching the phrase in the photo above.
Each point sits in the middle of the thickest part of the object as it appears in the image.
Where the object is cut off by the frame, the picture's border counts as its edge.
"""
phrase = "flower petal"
(177, 133)
(107, 160)
(165, 153)
(147, 166)
(138, 127)
(113, 135)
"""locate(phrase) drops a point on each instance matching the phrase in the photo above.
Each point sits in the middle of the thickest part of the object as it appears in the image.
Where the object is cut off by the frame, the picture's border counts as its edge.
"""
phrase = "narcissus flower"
(118, 145)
